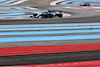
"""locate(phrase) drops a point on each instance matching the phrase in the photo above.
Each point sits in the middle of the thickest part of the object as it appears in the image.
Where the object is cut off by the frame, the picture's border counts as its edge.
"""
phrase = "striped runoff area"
(17, 14)
(59, 55)
(18, 8)
(49, 32)
(11, 2)
(21, 14)
(85, 8)
(70, 4)
(74, 2)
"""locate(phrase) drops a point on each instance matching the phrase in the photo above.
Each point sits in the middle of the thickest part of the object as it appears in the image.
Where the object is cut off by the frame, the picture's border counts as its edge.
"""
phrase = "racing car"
(49, 14)
(85, 4)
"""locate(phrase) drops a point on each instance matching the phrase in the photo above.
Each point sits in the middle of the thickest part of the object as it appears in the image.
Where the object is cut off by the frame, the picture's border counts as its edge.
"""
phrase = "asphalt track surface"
(78, 16)
(49, 58)
(85, 16)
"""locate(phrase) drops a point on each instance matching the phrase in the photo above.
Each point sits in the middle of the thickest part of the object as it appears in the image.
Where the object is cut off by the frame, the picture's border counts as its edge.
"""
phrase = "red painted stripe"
(68, 64)
(83, 7)
(47, 49)
(95, 66)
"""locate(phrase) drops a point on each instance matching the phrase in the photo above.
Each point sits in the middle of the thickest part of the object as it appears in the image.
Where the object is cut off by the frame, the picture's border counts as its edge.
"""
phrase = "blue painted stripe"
(18, 8)
(50, 32)
(52, 28)
(2, 0)
(49, 38)
(24, 0)
(16, 11)
(64, 3)
(78, 2)
(20, 13)
(89, 1)
(8, 2)
(4, 7)
(17, 14)
(95, 3)
(12, 8)
(41, 25)
(28, 7)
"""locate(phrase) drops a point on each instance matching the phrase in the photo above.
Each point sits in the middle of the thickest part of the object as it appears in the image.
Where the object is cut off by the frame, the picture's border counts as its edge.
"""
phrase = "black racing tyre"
(50, 16)
(80, 5)
(35, 14)
(44, 16)
(60, 15)
(31, 16)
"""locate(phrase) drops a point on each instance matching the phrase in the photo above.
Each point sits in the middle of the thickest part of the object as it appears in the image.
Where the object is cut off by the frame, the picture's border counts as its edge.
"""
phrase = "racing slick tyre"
(44, 16)
(31, 16)
(80, 5)
(34, 15)
(84, 5)
(50, 16)
(60, 15)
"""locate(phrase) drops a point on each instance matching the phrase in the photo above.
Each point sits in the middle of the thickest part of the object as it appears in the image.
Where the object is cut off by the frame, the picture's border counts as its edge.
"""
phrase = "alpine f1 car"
(48, 14)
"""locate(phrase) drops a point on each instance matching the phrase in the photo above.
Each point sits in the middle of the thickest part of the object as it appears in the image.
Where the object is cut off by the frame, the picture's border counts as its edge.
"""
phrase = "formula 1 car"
(49, 14)
(85, 4)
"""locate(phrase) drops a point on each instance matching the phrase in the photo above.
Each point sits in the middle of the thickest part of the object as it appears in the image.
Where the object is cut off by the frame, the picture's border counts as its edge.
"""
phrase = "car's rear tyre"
(31, 16)
(60, 15)
(50, 16)
(44, 16)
